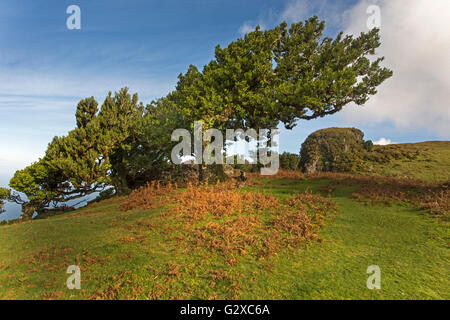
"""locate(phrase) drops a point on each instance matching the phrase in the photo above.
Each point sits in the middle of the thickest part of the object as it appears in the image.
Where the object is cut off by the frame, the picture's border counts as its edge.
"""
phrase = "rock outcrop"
(331, 150)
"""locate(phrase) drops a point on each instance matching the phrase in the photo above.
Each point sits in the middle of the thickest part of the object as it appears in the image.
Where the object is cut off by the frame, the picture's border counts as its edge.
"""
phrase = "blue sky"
(45, 69)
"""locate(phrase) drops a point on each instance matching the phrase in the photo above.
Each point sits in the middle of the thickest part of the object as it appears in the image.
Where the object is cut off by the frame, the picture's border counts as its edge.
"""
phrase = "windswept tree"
(72, 168)
(4, 196)
(119, 121)
(39, 184)
(151, 146)
(267, 77)
(86, 111)
(86, 160)
(283, 74)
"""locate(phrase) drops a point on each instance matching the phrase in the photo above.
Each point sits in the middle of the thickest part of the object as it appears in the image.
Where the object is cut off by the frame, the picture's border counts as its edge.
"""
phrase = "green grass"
(125, 259)
(432, 162)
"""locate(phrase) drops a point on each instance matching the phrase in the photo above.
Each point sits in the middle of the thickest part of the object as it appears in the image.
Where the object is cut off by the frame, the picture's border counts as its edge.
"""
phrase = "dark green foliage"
(86, 111)
(283, 74)
(39, 184)
(368, 145)
(85, 161)
(289, 161)
(120, 120)
(4, 195)
(151, 149)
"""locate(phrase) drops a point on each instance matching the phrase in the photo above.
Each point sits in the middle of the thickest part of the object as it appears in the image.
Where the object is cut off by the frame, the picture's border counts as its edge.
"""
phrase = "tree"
(79, 163)
(38, 184)
(283, 74)
(151, 145)
(86, 111)
(124, 146)
(119, 120)
(266, 77)
(4, 196)
(289, 161)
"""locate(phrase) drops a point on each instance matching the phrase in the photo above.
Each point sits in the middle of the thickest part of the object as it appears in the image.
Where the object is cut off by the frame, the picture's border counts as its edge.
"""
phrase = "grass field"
(429, 161)
(147, 254)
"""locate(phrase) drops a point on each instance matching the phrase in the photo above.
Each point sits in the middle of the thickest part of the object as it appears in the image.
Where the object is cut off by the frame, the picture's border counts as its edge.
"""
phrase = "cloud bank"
(416, 45)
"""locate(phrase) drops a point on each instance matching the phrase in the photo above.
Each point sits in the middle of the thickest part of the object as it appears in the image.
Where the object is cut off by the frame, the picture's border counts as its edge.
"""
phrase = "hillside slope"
(151, 254)
(425, 161)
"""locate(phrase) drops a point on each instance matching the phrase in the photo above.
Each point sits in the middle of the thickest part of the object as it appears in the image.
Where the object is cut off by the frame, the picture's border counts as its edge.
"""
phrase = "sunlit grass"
(145, 254)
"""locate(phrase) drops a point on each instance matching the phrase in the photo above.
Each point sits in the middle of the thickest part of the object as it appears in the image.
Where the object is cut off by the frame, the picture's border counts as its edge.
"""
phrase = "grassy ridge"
(428, 161)
(139, 254)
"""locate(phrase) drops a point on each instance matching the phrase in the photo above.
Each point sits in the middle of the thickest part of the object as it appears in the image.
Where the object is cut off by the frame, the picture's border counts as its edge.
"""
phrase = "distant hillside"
(425, 160)
(345, 150)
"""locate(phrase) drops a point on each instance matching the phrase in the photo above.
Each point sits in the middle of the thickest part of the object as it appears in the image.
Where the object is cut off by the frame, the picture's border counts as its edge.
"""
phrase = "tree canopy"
(267, 77)
(4, 195)
(282, 74)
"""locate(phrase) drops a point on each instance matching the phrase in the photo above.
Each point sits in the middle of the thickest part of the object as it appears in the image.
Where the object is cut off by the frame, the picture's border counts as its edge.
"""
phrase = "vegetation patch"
(433, 197)
(279, 238)
(226, 220)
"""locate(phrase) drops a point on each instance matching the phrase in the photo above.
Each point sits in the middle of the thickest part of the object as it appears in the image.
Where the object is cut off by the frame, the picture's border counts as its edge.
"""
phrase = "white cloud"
(296, 11)
(416, 45)
(265, 19)
(246, 28)
(249, 27)
(383, 142)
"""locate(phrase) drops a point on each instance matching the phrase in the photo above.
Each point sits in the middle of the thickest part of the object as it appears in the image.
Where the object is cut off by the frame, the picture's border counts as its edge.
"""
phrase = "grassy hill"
(285, 237)
(425, 160)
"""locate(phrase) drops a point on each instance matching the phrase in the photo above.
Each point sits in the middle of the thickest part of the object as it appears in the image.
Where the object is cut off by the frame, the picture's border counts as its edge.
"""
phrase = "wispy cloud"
(55, 84)
(330, 11)
(298, 10)
(265, 19)
(36, 105)
(247, 27)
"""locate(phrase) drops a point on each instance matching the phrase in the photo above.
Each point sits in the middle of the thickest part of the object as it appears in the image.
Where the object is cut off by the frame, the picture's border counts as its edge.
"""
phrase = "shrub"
(289, 161)
(368, 145)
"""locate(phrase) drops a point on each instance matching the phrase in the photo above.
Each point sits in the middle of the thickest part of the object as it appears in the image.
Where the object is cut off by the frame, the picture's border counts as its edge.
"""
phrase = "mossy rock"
(332, 150)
